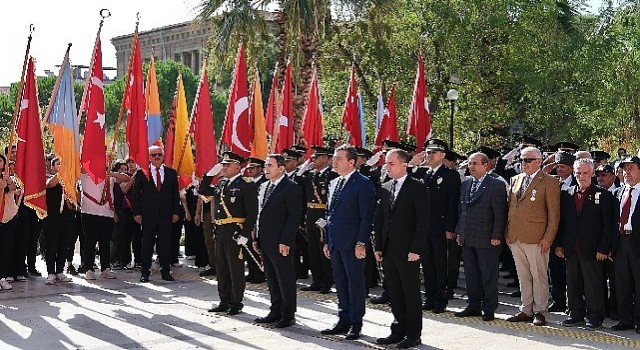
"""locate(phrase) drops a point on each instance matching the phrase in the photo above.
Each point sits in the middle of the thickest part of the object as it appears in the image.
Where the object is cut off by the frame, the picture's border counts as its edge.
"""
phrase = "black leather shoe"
(383, 299)
(324, 290)
(312, 288)
(337, 329)
(219, 308)
(555, 307)
(285, 322)
(144, 279)
(392, 339)
(258, 280)
(488, 316)
(408, 343)
(467, 313)
(593, 325)
(270, 318)
(167, 277)
(621, 327)
(34, 272)
(353, 333)
(233, 311)
(427, 306)
(207, 272)
(438, 309)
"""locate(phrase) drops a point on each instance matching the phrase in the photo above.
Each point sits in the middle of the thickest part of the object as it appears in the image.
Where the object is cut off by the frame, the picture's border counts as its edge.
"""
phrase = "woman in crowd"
(8, 226)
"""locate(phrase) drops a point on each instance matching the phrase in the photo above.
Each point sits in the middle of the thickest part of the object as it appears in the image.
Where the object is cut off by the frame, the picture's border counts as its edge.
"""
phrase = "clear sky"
(60, 22)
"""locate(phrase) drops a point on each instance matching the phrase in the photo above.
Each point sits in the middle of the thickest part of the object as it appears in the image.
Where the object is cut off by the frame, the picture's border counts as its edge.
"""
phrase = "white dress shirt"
(634, 200)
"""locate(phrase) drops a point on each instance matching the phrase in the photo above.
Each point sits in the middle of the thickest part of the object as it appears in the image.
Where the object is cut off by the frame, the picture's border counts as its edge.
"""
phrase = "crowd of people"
(562, 221)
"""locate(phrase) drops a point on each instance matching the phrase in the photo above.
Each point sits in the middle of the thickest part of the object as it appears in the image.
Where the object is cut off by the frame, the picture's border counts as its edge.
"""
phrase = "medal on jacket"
(439, 181)
(597, 200)
(533, 196)
(232, 199)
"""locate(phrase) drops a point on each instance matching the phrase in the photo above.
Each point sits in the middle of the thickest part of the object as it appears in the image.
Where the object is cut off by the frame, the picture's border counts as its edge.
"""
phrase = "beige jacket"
(536, 214)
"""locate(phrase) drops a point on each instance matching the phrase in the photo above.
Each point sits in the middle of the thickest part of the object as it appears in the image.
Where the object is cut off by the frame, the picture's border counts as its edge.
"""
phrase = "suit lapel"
(536, 180)
(348, 186)
(481, 187)
(401, 194)
(276, 191)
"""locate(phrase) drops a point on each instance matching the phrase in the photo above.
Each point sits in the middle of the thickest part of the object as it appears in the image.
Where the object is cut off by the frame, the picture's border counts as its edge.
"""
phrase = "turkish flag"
(30, 167)
(388, 129)
(94, 154)
(312, 122)
(237, 134)
(137, 132)
(285, 121)
(419, 122)
(351, 114)
(204, 131)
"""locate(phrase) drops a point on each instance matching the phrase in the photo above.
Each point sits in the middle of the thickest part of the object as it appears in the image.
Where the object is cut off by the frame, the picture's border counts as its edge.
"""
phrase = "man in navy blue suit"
(348, 226)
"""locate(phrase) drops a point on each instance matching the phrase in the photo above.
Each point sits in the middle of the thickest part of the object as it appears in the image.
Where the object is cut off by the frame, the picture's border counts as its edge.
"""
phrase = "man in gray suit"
(481, 220)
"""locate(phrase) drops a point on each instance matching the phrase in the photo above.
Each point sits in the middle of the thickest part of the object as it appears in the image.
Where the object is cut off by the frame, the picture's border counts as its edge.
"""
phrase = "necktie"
(158, 179)
(525, 184)
(268, 192)
(392, 197)
(336, 193)
(626, 208)
(428, 175)
(474, 187)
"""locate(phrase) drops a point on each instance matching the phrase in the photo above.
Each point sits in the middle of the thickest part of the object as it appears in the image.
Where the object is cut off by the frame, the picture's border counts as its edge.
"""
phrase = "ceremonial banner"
(351, 114)
(182, 153)
(204, 131)
(259, 147)
(388, 129)
(284, 138)
(419, 122)
(30, 167)
(94, 154)
(154, 119)
(237, 132)
(273, 103)
(137, 132)
(312, 122)
(63, 122)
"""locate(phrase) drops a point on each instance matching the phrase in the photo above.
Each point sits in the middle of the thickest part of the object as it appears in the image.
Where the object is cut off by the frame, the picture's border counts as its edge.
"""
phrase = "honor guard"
(236, 210)
(316, 189)
(255, 170)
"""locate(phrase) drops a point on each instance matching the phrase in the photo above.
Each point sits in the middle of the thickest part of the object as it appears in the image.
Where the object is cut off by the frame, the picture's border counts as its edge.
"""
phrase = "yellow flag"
(259, 147)
(182, 154)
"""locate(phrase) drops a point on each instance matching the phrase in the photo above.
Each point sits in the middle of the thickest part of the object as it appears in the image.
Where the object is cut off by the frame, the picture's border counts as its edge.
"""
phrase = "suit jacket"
(535, 215)
(151, 203)
(444, 192)
(278, 218)
(350, 220)
(634, 218)
(482, 217)
(406, 223)
(593, 228)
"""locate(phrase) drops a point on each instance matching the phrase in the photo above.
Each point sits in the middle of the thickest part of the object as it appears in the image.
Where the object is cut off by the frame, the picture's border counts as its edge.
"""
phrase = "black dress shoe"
(516, 294)
(219, 308)
(270, 318)
(353, 333)
(258, 280)
(383, 299)
(207, 272)
(438, 309)
(622, 327)
(233, 311)
(555, 307)
(337, 329)
(467, 313)
(408, 343)
(488, 316)
(34, 272)
(325, 290)
(427, 306)
(314, 287)
(144, 279)
(285, 322)
(167, 277)
(392, 339)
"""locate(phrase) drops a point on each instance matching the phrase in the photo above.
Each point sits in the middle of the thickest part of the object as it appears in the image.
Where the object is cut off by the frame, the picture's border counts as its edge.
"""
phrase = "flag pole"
(16, 111)
(126, 83)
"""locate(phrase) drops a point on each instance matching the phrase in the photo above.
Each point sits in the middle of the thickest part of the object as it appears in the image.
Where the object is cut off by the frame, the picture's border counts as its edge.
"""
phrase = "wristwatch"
(360, 244)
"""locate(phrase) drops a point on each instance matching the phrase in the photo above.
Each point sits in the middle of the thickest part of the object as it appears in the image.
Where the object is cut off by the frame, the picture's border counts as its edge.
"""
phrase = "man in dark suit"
(626, 248)
(156, 206)
(481, 221)
(236, 210)
(400, 227)
(583, 239)
(278, 220)
(443, 185)
(348, 226)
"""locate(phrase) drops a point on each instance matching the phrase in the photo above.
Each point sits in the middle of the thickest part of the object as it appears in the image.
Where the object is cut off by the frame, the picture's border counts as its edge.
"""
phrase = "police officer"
(236, 210)
(316, 189)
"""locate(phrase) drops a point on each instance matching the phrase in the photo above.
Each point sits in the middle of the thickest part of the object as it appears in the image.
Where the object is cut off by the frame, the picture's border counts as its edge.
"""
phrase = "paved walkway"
(123, 313)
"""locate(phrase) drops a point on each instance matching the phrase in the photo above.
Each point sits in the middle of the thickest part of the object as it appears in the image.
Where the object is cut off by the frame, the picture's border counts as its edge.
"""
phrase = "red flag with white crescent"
(237, 134)
(419, 122)
(285, 121)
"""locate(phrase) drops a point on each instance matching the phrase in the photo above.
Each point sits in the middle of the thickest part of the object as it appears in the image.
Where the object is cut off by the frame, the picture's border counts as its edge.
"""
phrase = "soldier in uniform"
(236, 210)
(316, 189)
(255, 170)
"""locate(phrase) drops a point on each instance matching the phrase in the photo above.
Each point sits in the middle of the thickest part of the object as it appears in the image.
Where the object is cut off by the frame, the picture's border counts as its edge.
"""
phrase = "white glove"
(242, 240)
(374, 159)
(215, 170)
(304, 167)
(321, 223)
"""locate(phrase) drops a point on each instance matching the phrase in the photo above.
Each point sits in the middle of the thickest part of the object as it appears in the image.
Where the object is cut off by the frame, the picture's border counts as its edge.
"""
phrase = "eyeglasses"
(528, 160)
(156, 155)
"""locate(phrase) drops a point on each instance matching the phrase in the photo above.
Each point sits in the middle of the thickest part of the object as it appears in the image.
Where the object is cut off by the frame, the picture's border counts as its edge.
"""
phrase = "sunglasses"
(528, 160)
(156, 155)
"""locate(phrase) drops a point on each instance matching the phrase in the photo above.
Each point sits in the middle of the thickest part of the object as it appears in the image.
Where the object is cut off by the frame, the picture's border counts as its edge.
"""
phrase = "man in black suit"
(626, 248)
(236, 210)
(400, 227)
(583, 239)
(278, 218)
(156, 206)
(481, 222)
(443, 185)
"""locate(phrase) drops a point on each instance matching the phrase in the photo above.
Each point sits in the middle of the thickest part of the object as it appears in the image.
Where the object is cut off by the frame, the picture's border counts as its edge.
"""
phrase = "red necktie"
(626, 209)
(158, 179)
